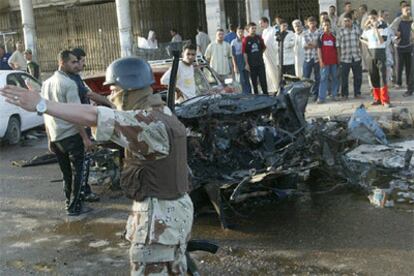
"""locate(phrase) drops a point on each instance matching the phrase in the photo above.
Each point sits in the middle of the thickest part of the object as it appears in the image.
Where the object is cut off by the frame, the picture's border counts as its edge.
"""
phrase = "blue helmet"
(129, 73)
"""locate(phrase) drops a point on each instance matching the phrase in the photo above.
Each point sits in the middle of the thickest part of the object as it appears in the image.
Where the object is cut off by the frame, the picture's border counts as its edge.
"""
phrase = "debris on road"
(385, 172)
(250, 150)
(362, 127)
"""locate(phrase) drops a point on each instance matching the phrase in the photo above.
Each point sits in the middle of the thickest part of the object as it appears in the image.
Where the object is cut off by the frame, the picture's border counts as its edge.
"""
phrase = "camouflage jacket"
(152, 221)
(136, 131)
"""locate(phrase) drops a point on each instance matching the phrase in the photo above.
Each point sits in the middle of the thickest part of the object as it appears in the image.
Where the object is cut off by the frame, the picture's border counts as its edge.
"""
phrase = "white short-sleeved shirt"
(62, 89)
(202, 40)
(185, 80)
(219, 54)
(373, 41)
(18, 59)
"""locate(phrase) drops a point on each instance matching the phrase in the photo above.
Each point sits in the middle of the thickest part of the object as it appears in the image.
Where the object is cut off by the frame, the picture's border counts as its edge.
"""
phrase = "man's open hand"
(22, 97)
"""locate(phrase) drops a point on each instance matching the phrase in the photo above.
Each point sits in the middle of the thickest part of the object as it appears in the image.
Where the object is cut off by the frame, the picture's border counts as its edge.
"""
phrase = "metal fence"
(94, 28)
(293, 9)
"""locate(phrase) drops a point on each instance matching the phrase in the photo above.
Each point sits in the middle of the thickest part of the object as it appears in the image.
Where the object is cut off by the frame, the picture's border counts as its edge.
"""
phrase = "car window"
(13, 79)
(209, 76)
(31, 83)
(201, 83)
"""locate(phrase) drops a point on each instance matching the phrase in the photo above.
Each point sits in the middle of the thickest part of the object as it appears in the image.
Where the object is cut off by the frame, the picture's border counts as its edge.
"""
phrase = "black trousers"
(411, 81)
(404, 61)
(288, 69)
(377, 67)
(356, 68)
(70, 153)
(258, 72)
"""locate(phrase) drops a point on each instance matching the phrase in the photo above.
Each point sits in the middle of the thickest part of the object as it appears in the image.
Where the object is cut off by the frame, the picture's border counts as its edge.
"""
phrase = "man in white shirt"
(298, 49)
(332, 15)
(363, 11)
(270, 55)
(288, 45)
(218, 54)
(68, 141)
(17, 60)
(175, 36)
(202, 40)
(347, 9)
(185, 86)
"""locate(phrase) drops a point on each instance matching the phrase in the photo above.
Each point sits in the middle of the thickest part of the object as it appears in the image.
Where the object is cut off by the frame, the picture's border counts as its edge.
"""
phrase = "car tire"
(13, 132)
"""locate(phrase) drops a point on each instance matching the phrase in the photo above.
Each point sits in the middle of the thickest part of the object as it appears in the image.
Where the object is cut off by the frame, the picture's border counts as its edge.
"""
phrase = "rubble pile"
(241, 147)
(105, 167)
(383, 172)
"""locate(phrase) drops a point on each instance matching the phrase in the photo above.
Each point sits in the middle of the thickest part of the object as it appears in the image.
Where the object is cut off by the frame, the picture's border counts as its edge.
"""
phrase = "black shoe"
(408, 94)
(79, 211)
(92, 197)
(376, 103)
(72, 213)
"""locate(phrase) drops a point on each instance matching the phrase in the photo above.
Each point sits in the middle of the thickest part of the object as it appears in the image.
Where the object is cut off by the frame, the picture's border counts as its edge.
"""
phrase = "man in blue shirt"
(231, 35)
(4, 58)
(239, 66)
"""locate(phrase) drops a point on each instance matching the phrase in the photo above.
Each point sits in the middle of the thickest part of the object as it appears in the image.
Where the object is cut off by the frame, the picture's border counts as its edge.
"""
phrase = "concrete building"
(92, 24)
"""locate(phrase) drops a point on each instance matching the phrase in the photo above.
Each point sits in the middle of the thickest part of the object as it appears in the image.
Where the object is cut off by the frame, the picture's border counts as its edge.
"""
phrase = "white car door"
(30, 83)
(28, 119)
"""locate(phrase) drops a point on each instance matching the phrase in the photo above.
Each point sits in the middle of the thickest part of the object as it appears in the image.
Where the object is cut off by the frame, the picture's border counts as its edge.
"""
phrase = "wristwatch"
(41, 107)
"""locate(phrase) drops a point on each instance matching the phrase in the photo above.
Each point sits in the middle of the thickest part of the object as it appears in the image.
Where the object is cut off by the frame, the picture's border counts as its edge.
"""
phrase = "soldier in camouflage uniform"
(155, 173)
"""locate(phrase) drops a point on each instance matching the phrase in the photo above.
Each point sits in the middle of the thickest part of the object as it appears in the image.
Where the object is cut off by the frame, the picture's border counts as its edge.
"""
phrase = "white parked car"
(13, 119)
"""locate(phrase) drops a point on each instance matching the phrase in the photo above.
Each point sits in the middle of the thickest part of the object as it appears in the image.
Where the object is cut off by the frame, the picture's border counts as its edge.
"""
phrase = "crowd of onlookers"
(20, 59)
(326, 49)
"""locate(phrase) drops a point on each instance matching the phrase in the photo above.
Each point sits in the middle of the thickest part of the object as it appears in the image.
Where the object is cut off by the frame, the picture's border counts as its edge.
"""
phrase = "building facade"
(92, 24)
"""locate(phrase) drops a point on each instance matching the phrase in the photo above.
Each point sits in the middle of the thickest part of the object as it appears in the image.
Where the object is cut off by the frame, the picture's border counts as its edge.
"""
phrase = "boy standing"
(186, 88)
(376, 37)
(253, 48)
(238, 61)
(328, 62)
(311, 63)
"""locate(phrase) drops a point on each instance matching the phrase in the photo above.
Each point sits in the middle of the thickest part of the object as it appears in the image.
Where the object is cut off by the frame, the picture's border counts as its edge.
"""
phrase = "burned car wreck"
(241, 147)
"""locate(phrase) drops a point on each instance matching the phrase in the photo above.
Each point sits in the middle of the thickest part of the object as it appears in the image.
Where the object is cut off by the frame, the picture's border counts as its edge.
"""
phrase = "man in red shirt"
(252, 48)
(328, 62)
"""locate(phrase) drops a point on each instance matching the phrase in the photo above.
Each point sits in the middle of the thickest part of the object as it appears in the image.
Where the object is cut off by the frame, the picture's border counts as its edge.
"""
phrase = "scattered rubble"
(248, 150)
(105, 168)
(385, 172)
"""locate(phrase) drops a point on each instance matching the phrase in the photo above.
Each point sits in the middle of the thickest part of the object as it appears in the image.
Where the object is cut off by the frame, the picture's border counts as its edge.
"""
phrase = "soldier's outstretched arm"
(84, 115)
(138, 131)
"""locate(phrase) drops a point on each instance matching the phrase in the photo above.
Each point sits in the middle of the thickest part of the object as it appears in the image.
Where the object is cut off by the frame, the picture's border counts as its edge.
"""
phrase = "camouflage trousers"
(159, 231)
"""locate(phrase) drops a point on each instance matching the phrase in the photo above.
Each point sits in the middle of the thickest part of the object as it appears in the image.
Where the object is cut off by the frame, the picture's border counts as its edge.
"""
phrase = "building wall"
(391, 5)
(93, 26)
(14, 4)
(293, 9)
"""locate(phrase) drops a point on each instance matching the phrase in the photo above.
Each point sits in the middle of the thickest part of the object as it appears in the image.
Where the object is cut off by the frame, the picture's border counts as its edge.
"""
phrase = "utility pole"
(28, 22)
(124, 27)
(412, 7)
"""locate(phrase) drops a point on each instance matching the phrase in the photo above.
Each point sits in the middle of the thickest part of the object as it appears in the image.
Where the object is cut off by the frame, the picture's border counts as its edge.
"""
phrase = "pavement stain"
(43, 267)
(18, 264)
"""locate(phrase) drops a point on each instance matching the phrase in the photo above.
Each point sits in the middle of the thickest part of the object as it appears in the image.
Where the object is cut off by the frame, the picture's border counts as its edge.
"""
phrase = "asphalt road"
(334, 234)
